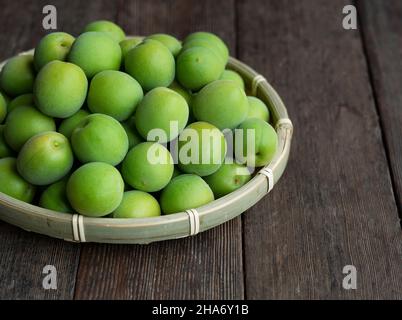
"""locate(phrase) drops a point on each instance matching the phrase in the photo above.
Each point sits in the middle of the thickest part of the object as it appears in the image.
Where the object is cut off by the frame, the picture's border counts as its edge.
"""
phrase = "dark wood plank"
(335, 204)
(381, 25)
(24, 255)
(208, 266)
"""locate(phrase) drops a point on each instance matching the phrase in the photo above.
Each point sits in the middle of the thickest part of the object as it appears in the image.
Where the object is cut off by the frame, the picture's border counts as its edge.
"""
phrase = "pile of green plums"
(88, 124)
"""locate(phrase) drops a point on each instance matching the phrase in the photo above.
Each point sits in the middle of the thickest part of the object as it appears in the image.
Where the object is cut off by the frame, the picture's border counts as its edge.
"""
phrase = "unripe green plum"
(108, 27)
(162, 109)
(229, 177)
(3, 108)
(169, 41)
(18, 75)
(99, 138)
(198, 66)
(204, 44)
(148, 167)
(233, 76)
(12, 183)
(55, 198)
(151, 64)
(202, 149)
(60, 89)
(22, 100)
(185, 192)
(222, 103)
(114, 93)
(94, 52)
(264, 144)
(45, 158)
(212, 38)
(95, 189)
(5, 150)
(137, 204)
(23, 123)
(68, 125)
(257, 109)
(54, 46)
(134, 137)
(129, 43)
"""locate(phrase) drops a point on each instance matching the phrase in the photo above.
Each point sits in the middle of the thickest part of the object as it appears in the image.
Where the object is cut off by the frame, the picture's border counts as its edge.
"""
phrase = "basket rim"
(257, 184)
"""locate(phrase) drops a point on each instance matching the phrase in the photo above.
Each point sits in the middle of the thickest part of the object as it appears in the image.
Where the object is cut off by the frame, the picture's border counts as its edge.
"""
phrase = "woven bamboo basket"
(77, 228)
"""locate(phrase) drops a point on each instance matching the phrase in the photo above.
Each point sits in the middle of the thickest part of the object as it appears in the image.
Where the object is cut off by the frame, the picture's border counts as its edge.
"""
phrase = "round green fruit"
(129, 43)
(222, 103)
(60, 89)
(185, 192)
(45, 158)
(55, 198)
(257, 109)
(23, 123)
(17, 76)
(22, 100)
(229, 177)
(169, 41)
(114, 93)
(202, 149)
(204, 44)
(95, 189)
(99, 138)
(94, 52)
(213, 39)
(261, 148)
(198, 66)
(148, 167)
(108, 27)
(161, 115)
(54, 46)
(233, 76)
(12, 183)
(151, 64)
(5, 150)
(68, 125)
(137, 204)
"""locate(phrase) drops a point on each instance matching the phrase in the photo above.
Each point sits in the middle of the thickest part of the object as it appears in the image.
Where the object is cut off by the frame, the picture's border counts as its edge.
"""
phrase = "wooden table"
(338, 201)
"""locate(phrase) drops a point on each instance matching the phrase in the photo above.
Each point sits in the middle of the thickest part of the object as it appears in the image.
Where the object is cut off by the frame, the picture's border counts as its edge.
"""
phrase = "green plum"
(164, 110)
(198, 66)
(169, 41)
(229, 177)
(95, 189)
(3, 108)
(94, 52)
(5, 150)
(18, 75)
(108, 27)
(204, 44)
(263, 145)
(137, 204)
(222, 103)
(60, 89)
(22, 100)
(54, 46)
(134, 137)
(55, 198)
(257, 109)
(114, 93)
(12, 183)
(185, 192)
(45, 158)
(151, 64)
(202, 149)
(68, 125)
(99, 138)
(148, 167)
(234, 76)
(23, 123)
(212, 38)
(129, 43)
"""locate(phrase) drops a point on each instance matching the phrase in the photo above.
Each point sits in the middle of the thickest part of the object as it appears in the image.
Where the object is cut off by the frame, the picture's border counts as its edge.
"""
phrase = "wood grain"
(207, 266)
(335, 204)
(381, 26)
(23, 255)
